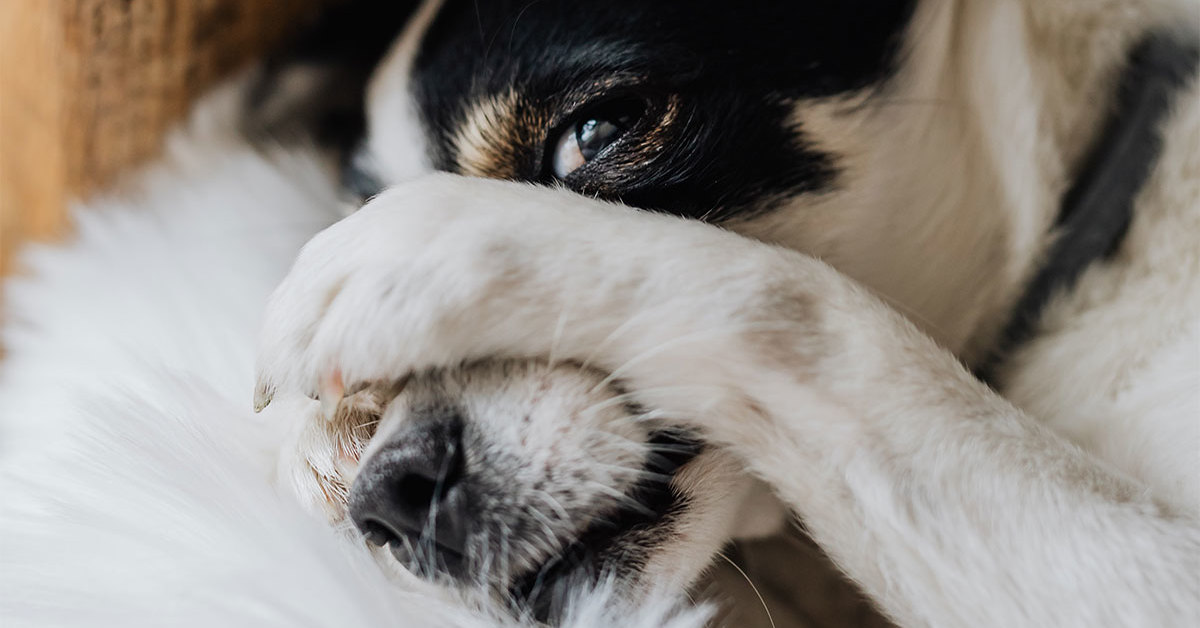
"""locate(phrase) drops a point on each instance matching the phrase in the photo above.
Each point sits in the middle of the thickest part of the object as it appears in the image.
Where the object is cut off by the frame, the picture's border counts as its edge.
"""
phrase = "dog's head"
(785, 121)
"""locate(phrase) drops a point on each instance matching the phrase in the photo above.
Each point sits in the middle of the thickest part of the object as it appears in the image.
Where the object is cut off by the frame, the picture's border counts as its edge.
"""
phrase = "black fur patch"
(716, 80)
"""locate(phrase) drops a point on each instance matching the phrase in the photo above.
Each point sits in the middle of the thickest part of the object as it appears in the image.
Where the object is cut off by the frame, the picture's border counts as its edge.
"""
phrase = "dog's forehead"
(809, 48)
(488, 79)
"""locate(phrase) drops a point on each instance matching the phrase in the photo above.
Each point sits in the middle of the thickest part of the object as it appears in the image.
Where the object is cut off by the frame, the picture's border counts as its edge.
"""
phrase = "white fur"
(159, 516)
(396, 140)
(137, 482)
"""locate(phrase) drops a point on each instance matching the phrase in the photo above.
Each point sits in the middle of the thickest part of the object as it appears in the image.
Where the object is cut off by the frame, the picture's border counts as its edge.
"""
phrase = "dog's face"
(524, 478)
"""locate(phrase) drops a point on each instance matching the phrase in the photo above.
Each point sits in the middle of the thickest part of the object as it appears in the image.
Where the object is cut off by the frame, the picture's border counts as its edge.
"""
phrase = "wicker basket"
(88, 87)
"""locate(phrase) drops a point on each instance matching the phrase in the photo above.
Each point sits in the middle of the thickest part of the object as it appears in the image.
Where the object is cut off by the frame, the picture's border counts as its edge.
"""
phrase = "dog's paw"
(430, 273)
(320, 456)
(450, 269)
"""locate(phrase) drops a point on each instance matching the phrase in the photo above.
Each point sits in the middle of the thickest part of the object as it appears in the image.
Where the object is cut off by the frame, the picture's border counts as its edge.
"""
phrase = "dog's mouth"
(609, 546)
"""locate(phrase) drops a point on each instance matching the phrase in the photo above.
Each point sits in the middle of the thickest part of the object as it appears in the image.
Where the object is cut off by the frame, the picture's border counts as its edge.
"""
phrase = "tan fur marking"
(494, 133)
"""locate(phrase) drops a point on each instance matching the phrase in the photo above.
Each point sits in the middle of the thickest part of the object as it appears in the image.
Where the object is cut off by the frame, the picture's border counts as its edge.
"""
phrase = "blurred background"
(88, 88)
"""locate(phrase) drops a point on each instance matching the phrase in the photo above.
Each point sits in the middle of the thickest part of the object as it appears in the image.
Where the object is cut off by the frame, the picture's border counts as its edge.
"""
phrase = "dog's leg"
(943, 501)
(947, 504)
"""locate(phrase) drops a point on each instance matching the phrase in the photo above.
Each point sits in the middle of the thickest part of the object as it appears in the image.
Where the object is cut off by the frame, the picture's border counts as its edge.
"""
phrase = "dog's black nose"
(410, 495)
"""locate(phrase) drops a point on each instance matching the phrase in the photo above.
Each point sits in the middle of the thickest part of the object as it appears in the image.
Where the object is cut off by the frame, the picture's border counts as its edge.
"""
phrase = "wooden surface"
(88, 87)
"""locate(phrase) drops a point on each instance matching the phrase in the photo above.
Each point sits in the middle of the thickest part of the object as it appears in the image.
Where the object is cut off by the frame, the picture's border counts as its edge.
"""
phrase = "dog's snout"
(411, 494)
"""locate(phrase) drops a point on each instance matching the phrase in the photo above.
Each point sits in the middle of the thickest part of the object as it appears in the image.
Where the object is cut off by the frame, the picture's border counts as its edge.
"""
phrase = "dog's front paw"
(435, 272)
(448, 269)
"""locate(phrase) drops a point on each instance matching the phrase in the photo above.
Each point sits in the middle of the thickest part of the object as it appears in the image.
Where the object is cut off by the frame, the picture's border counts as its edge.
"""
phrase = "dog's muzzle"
(415, 497)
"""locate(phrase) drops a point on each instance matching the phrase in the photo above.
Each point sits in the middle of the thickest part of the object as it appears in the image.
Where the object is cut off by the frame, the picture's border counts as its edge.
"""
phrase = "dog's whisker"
(547, 526)
(753, 587)
(554, 504)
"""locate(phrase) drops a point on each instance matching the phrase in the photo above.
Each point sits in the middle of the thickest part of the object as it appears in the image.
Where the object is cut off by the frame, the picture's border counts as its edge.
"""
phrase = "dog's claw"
(263, 394)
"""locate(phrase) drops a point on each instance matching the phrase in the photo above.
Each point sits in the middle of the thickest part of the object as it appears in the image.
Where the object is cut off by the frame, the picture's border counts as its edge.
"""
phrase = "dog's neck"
(955, 171)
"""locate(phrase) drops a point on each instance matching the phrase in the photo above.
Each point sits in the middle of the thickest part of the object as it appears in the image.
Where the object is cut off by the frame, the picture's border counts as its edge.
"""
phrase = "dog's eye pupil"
(593, 136)
(590, 136)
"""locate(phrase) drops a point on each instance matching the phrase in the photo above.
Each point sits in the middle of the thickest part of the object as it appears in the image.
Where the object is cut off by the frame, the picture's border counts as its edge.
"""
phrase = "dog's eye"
(590, 136)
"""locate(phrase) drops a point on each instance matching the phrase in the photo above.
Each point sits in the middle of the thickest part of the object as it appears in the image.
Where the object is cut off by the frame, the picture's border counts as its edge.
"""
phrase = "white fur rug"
(136, 481)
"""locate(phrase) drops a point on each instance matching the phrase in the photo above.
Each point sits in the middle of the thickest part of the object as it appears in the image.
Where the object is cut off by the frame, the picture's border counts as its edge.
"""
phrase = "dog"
(693, 272)
(698, 268)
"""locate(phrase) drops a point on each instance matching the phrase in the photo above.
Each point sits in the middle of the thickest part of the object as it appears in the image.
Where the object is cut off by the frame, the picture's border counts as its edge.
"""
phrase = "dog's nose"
(411, 490)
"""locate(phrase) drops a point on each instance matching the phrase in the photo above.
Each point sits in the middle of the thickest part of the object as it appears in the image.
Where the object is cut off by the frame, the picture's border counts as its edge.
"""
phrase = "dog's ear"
(314, 89)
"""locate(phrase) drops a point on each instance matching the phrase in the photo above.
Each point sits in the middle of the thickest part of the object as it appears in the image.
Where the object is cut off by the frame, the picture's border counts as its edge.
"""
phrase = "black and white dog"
(860, 165)
(635, 279)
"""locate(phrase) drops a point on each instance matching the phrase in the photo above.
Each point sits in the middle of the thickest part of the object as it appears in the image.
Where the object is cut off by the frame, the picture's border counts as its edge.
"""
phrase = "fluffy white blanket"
(136, 482)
